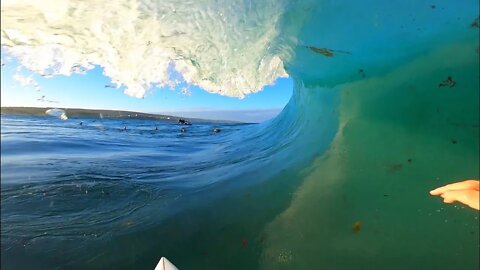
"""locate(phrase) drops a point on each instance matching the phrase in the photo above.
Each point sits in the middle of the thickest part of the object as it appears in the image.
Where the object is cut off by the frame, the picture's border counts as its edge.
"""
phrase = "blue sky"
(89, 91)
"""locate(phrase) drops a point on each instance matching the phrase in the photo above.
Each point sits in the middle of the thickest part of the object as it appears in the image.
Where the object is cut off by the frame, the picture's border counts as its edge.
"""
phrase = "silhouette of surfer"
(183, 122)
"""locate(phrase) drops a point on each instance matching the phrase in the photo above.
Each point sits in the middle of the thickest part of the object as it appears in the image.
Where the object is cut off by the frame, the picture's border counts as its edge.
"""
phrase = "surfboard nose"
(165, 264)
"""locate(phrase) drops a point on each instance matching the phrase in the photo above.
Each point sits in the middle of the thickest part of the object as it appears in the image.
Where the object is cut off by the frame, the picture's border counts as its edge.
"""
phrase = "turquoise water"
(367, 133)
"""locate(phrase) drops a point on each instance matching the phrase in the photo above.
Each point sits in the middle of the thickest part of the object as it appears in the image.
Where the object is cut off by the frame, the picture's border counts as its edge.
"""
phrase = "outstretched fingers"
(468, 184)
(467, 197)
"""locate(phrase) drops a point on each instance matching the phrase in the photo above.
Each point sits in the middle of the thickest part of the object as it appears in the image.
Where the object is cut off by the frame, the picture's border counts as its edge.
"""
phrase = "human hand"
(466, 192)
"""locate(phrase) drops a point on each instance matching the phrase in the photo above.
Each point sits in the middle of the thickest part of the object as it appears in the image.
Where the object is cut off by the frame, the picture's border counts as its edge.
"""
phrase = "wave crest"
(227, 49)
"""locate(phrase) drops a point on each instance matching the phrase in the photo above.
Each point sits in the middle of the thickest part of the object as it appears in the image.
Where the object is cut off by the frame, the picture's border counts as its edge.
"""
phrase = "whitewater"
(338, 180)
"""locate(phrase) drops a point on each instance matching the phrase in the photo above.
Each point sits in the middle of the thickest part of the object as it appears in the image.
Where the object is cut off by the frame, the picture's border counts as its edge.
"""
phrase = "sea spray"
(59, 113)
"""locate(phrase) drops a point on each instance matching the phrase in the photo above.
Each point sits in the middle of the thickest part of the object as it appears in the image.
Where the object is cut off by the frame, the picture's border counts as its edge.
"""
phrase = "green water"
(400, 136)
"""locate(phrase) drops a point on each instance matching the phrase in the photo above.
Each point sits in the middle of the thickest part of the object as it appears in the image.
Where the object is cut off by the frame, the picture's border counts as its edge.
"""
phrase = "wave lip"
(226, 49)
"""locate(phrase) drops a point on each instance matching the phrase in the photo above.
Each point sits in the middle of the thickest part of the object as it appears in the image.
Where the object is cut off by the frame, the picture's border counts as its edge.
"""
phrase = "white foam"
(57, 113)
(226, 48)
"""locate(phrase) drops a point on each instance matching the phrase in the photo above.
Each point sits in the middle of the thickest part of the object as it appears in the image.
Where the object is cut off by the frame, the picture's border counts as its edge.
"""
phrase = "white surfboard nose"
(165, 264)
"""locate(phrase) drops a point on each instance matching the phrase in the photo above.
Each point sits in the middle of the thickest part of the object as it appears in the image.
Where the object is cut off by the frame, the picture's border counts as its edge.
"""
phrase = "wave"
(57, 113)
(374, 122)
(399, 135)
(226, 49)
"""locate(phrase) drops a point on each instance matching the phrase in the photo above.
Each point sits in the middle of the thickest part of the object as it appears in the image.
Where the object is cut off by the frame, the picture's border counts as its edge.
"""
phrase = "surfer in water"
(183, 122)
(466, 192)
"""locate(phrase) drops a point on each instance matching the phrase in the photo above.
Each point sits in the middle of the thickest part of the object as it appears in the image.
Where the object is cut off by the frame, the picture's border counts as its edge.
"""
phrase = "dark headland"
(98, 114)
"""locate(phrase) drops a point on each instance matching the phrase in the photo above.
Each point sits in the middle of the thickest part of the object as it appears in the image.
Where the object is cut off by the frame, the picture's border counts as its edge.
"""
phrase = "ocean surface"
(99, 196)
(385, 108)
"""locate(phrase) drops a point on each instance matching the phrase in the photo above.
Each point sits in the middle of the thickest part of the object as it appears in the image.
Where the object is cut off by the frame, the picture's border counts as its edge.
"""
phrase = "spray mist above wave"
(228, 49)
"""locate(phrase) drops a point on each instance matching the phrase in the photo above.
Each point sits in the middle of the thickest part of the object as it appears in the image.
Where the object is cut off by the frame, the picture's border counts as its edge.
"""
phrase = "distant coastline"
(98, 114)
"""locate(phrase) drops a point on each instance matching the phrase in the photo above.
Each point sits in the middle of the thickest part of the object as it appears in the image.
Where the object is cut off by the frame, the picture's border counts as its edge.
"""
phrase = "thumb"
(447, 198)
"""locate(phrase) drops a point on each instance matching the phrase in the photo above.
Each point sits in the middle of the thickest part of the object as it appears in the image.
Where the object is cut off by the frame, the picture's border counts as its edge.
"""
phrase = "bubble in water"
(285, 256)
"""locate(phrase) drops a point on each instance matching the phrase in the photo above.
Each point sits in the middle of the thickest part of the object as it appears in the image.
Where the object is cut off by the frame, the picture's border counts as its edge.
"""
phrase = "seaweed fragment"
(356, 227)
(395, 167)
(448, 82)
(326, 52)
(475, 23)
(362, 73)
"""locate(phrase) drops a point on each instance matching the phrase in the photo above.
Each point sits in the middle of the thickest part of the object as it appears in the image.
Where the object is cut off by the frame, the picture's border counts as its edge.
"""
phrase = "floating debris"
(448, 82)
(356, 227)
(475, 23)
(395, 167)
(326, 52)
(362, 73)
(244, 242)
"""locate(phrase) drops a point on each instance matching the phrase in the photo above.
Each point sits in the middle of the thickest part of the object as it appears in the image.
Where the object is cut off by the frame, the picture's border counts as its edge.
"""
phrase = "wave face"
(373, 125)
